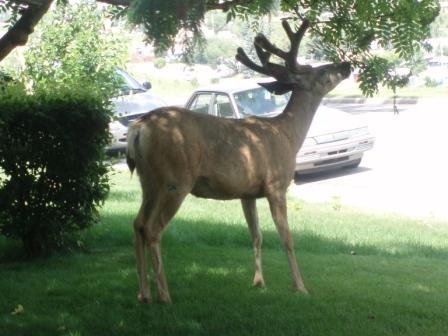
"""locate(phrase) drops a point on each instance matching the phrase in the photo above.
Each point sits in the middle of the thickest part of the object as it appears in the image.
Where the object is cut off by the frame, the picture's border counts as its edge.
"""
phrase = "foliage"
(440, 25)
(377, 70)
(216, 51)
(429, 82)
(51, 151)
(162, 20)
(349, 30)
(159, 63)
(12, 7)
(167, 22)
(344, 29)
(73, 47)
(5, 79)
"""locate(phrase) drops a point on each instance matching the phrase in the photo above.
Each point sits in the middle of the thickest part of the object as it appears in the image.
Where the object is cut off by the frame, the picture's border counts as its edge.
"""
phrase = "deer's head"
(292, 76)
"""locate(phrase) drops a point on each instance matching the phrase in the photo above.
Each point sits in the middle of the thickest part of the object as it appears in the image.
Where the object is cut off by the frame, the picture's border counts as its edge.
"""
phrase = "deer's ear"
(276, 87)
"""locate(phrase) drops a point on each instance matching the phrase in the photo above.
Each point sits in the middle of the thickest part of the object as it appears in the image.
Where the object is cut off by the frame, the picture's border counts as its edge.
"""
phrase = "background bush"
(52, 176)
(159, 63)
(73, 47)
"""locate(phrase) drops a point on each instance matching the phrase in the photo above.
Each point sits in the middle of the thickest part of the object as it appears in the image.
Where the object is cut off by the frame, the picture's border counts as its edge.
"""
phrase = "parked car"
(336, 138)
(134, 101)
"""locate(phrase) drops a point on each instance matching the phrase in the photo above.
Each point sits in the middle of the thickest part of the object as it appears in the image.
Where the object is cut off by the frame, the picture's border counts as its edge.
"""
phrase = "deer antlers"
(265, 49)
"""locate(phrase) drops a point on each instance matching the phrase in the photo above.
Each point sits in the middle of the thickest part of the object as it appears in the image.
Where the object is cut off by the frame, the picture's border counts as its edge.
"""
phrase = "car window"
(201, 103)
(127, 83)
(222, 106)
(259, 101)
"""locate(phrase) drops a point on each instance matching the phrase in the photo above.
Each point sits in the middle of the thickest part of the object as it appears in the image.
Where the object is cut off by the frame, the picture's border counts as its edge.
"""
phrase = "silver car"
(134, 101)
(336, 139)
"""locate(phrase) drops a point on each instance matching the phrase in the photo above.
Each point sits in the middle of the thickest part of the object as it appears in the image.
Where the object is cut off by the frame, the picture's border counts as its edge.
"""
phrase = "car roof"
(230, 87)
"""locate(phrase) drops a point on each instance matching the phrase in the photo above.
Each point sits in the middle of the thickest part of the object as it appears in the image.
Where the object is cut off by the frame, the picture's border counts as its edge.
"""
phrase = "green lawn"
(367, 275)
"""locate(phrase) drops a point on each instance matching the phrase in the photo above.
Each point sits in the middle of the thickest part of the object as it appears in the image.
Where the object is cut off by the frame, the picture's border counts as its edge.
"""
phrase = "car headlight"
(309, 142)
(115, 127)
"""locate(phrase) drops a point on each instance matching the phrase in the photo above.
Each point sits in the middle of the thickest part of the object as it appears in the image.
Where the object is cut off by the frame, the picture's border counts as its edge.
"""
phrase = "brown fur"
(177, 152)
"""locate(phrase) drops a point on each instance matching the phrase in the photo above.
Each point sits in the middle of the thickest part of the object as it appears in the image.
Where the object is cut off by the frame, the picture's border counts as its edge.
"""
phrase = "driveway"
(406, 172)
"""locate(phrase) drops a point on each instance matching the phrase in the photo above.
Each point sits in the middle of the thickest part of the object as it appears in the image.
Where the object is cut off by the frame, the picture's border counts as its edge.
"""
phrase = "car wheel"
(354, 164)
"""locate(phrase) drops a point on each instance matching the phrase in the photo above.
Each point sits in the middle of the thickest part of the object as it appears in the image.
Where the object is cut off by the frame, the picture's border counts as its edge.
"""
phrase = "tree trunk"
(18, 34)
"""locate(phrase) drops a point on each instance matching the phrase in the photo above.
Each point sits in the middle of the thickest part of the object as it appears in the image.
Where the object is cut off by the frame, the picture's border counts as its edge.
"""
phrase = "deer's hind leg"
(144, 295)
(167, 204)
(251, 215)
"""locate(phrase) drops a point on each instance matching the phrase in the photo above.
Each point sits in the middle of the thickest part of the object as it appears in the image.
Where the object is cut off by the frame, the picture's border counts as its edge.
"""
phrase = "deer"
(177, 152)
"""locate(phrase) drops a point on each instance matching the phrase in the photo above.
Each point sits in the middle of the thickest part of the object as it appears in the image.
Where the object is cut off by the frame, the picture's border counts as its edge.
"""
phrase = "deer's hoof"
(143, 298)
(258, 280)
(301, 289)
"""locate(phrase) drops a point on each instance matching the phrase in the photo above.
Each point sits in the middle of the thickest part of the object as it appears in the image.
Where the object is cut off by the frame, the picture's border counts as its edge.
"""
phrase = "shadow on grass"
(115, 230)
(184, 232)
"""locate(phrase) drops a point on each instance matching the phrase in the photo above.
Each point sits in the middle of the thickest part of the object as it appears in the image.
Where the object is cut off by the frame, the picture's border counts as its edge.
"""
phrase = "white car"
(336, 139)
(135, 100)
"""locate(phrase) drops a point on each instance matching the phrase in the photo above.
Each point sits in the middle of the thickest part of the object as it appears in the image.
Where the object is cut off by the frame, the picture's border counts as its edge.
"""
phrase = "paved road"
(406, 172)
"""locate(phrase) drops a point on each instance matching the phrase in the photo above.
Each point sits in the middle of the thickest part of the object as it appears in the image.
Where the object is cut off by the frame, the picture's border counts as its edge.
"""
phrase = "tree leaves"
(343, 30)
(351, 30)
(162, 20)
(71, 48)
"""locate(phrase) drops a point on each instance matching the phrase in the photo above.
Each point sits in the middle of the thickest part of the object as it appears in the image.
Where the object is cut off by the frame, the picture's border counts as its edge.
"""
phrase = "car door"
(222, 106)
(201, 102)
(214, 103)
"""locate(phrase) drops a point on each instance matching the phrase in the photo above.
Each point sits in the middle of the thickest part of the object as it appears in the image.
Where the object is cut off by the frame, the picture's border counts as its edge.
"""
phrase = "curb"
(374, 101)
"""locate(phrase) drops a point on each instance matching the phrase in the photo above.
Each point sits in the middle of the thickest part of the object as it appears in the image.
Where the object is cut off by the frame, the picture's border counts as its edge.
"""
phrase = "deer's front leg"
(277, 204)
(251, 215)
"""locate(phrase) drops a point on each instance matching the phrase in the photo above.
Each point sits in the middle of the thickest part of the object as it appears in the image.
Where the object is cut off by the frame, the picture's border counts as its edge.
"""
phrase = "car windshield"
(260, 101)
(127, 83)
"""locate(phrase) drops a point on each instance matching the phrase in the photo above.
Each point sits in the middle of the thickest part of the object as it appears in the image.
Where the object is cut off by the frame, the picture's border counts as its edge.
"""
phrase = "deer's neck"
(298, 115)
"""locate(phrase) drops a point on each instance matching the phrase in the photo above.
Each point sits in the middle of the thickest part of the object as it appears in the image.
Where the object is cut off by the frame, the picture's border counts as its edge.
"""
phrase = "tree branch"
(18, 34)
(226, 5)
(122, 3)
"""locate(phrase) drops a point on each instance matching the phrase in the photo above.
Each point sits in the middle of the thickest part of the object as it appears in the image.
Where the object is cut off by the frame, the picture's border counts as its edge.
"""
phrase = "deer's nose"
(345, 68)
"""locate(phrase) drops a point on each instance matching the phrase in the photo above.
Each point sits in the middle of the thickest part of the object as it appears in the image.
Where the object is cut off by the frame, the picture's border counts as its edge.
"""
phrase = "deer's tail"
(132, 149)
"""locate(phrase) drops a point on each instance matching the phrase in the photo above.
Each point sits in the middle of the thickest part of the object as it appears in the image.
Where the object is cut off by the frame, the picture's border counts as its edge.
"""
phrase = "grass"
(367, 275)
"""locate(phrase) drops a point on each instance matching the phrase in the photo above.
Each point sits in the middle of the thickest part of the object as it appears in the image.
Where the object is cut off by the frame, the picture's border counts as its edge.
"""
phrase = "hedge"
(52, 173)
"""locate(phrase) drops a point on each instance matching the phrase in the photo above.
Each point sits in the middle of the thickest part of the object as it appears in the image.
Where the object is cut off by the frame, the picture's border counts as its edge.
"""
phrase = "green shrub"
(429, 82)
(52, 176)
(159, 63)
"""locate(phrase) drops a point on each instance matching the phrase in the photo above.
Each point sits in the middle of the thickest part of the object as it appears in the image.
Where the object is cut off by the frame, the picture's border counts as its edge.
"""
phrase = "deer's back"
(220, 158)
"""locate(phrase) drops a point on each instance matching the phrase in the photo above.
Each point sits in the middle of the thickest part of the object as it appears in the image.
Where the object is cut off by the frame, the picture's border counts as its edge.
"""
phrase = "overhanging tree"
(345, 29)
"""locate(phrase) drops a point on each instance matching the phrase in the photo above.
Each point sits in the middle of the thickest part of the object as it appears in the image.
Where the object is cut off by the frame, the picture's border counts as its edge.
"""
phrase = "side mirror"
(147, 85)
